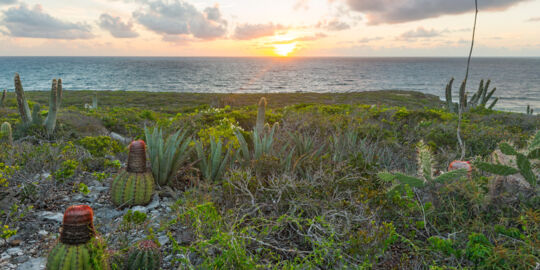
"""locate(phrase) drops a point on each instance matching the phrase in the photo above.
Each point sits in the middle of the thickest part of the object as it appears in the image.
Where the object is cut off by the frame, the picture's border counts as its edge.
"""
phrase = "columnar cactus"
(78, 247)
(145, 256)
(260, 116)
(24, 109)
(3, 98)
(5, 133)
(480, 98)
(135, 184)
(54, 105)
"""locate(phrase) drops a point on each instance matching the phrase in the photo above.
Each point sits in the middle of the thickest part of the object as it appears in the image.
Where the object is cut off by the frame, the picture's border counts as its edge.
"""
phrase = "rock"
(108, 213)
(15, 242)
(5, 256)
(43, 232)
(154, 203)
(33, 264)
(163, 240)
(21, 259)
(16, 251)
(51, 216)
(139, 208)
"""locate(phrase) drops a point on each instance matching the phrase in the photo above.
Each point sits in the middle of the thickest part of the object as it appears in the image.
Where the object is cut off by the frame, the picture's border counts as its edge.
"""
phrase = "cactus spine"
(5, 133)
(260, 115)
(78, 247)
(145, 256)
(135, 184)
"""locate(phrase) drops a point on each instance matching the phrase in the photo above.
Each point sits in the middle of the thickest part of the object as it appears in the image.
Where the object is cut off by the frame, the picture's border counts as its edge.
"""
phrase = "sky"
(268, 28)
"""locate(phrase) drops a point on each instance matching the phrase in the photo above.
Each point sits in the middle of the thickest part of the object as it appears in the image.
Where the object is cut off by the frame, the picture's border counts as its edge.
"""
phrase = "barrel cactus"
(145, 256)
(135, 184)
(79, 247)
(5, 133)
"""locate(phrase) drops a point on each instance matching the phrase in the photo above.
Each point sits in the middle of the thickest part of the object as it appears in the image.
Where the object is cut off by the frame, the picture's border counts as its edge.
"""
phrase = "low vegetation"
(302, 181)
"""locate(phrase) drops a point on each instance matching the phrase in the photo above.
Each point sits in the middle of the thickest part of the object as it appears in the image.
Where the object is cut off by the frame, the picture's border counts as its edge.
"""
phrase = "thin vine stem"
(461, 103)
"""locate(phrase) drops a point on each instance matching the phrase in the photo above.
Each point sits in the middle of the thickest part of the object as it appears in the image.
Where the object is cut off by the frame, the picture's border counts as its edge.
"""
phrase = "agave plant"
(262, 144)
(213, 164)
(166, 156)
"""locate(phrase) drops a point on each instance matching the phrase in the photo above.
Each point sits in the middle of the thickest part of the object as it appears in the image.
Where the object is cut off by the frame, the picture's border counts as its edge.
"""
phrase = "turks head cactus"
(145, 256)
(5, 133)
(79, 247)
(135, 184)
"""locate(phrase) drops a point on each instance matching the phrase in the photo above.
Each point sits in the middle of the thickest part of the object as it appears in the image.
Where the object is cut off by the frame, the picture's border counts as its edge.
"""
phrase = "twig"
(460, 111)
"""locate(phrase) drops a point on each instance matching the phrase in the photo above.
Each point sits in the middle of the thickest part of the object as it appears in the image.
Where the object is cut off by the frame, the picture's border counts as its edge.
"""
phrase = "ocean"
(517, 79)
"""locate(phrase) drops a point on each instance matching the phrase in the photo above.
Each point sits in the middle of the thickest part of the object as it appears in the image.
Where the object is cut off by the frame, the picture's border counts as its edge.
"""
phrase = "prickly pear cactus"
(145, 256)
(135, 184)
(78, 247)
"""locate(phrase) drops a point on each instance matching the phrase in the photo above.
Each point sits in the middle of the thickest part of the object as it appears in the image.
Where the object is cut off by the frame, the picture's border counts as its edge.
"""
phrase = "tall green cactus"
(530, 111)
(79, 248)
(146, 255)
(24, 109)
(54, 104)
(259, 126)
(523, 161)
(55, 98)
(135, 184)
(480, 98)
(3, 99)
(6, 133)
(166, 156)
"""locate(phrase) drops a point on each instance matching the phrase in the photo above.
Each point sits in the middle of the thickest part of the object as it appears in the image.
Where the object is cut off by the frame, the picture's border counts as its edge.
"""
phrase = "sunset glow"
(284, 49)
(266, 28)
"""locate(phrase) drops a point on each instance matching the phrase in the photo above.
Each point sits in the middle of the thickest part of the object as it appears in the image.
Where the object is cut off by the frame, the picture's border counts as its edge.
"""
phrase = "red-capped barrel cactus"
(135, 184)
(78, 247)
(145, 256)
(459, 164)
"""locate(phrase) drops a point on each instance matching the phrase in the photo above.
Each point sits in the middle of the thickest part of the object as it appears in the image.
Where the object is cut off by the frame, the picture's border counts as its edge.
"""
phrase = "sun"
(284, 49)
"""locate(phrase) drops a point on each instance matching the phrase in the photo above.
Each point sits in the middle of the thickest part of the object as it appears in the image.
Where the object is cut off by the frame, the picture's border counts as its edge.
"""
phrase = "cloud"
(333, 25)
(116, 27)
(367, 40)
(534, 19)
(302, 38)
(177, 17)
(253, 31)
(34, 23)
(7, 2)
(398, 11)
(420, 32)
